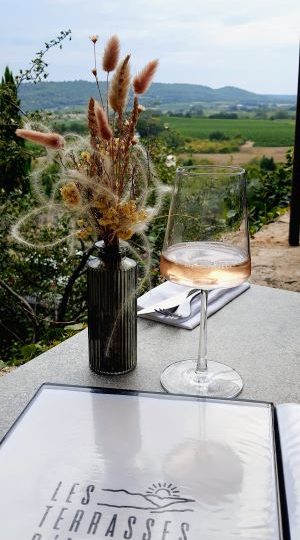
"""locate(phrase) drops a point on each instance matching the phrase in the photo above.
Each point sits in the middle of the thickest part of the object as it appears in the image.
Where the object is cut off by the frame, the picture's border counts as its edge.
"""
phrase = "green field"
(262, 132)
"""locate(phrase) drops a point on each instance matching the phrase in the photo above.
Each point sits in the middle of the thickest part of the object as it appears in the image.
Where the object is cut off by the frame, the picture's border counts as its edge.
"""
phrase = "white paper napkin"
(217, 299)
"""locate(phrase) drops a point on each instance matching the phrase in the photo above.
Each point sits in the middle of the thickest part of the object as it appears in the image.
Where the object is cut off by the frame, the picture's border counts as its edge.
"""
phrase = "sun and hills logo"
(158, 498)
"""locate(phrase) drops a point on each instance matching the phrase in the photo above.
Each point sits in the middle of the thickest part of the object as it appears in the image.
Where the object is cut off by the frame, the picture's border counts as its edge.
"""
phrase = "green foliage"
(48, 177)
(149, 126)
(280, 115)
(70, 126)
(33, 284)
(188, 162)
(268, 196)
(31, 350)
(14, 160)
(268, 193)
(267, 164)
(195, 110)
(262, 132)
(172, 139)
(203, 146)
(217, 136)
(225, 115)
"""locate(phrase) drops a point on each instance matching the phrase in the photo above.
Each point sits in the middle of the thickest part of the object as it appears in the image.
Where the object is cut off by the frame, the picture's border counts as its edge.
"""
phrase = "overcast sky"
(252, 44)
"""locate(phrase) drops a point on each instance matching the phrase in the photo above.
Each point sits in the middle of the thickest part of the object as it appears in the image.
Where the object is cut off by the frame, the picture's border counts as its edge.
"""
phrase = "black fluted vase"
(112, 325)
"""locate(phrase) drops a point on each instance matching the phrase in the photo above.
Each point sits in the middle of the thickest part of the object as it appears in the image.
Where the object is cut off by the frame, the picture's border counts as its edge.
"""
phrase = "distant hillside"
(71, 94)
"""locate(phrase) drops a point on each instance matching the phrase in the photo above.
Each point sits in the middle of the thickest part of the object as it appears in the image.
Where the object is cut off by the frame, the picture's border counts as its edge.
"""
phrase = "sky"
(250, 44)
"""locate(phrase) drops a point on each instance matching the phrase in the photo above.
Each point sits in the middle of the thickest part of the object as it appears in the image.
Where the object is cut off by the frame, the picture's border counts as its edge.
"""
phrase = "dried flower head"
(119, 87)
(111, 54)
(51, 140)
(94, 38)
(71, 195)
(142, 80)
(93, 126)
(86, 157)
(122, 218)
(102, 122)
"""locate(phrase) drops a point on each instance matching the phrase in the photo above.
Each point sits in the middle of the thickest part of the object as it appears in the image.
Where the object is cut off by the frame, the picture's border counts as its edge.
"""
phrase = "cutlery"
(168, 303)
(183, 310)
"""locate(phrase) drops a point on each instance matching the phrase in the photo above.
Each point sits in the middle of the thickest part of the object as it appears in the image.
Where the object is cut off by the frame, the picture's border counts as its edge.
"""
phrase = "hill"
(72, 94)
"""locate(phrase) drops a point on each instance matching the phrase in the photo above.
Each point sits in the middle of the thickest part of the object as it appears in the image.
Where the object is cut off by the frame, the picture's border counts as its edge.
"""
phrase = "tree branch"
(68, 290)
(37, 69)
(11, 332)
(15, 105)
(26, 307)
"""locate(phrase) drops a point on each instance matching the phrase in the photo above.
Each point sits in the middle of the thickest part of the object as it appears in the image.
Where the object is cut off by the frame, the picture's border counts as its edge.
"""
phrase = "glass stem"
(202, 351)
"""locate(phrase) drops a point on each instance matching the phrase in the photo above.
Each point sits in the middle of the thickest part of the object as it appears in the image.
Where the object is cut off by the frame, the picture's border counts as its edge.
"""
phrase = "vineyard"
(262, 132)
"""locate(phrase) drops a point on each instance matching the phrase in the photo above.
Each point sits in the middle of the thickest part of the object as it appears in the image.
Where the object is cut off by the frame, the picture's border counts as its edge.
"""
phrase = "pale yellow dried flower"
(86, 156)
(70, 195)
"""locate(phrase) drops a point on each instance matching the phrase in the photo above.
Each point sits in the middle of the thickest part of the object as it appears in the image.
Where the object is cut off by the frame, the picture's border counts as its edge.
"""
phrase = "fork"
(182, 310)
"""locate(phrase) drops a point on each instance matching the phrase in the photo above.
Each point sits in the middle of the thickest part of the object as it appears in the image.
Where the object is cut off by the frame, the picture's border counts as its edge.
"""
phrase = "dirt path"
(247, 153)
(274, 262)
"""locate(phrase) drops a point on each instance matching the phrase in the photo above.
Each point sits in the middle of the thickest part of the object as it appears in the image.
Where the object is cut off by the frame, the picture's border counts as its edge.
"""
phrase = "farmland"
(262, 132)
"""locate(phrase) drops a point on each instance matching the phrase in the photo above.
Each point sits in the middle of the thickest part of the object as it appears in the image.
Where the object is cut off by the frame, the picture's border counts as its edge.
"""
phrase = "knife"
(170, 302)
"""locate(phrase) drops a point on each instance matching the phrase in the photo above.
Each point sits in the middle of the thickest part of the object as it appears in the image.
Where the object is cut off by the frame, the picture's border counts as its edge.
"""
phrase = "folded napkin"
(217, 299)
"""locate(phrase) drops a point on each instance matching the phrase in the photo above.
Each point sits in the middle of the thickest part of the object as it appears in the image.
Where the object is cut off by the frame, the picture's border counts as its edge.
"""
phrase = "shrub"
(268, 193)
(217, 136)
(267, 164)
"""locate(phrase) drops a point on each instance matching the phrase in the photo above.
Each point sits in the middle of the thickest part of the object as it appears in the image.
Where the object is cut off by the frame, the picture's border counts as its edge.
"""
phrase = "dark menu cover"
(84, 463)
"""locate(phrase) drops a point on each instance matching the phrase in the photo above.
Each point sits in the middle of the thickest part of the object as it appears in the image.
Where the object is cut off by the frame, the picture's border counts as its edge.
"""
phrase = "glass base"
(218, 381)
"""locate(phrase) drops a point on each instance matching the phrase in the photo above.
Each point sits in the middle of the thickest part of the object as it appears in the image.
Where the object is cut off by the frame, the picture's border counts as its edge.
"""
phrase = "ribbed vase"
(112, 325)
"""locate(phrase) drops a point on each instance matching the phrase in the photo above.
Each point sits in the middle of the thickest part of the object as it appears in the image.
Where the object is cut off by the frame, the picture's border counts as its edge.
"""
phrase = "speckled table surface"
(257, 334)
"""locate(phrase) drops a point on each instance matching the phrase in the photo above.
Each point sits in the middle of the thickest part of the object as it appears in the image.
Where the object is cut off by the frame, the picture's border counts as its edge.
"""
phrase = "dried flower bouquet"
(105, 179)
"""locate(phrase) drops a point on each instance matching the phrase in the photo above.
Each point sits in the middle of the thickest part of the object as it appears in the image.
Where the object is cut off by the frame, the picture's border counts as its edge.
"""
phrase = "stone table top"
(257, 334)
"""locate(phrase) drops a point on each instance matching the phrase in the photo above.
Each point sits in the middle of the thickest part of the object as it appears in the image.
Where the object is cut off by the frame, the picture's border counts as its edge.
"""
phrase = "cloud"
(212, 43)
(270, 32)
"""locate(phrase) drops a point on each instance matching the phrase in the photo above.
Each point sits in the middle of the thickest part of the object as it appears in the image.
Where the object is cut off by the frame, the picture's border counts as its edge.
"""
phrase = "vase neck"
(110, 253)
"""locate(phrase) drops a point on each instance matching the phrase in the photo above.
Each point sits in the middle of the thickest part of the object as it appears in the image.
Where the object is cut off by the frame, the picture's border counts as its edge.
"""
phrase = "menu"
(84, 463)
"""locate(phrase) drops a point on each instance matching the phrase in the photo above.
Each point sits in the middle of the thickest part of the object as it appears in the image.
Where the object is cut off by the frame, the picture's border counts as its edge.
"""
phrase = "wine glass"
(206, 246)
